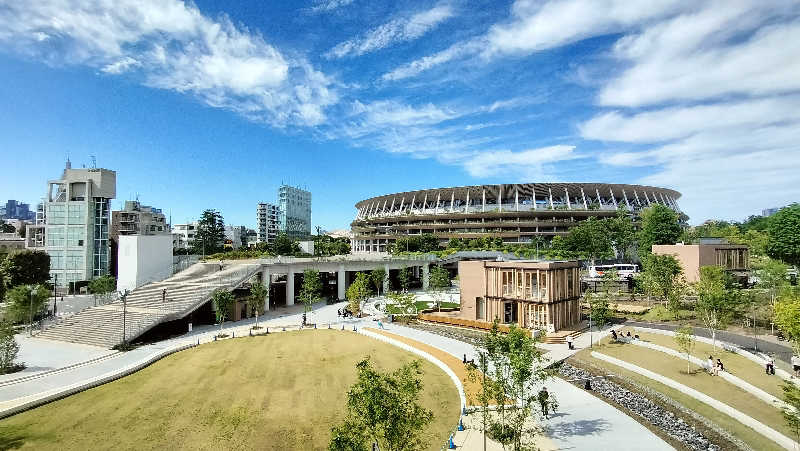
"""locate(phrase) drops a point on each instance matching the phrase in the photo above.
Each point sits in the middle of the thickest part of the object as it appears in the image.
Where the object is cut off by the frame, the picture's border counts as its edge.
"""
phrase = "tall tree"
(311, 291)
(659, 225)
(589, 239)
(358, 292)
(8, 347)
(257, 299)
(25, 267)
(384, 408)
(663, 279)
(787, 316)
(210, 235)
(772, 279)
(223, 301)
(284, 245)
(717, 300)
(784, 235)
(377, 276)
(404, 277)
(791, 412)
(26, 302)
(438, 283)
(621, 233)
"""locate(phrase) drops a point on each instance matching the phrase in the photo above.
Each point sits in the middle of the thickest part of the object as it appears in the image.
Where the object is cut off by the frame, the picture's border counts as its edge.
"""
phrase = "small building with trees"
(532, 294)
(734, 258)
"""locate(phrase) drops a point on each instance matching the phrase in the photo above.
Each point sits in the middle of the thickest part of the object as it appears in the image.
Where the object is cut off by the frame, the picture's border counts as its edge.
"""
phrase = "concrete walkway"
(751, 422)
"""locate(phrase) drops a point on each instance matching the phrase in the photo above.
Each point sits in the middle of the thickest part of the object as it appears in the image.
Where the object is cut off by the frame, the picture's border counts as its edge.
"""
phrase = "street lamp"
(124, 295)
(34, 290)
(55, 294)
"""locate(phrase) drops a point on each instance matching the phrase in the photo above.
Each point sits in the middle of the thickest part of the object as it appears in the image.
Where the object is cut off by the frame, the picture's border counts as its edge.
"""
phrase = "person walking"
(569, 343)
(770, 366)
(796, 365)
(164, 295)
(543, 401)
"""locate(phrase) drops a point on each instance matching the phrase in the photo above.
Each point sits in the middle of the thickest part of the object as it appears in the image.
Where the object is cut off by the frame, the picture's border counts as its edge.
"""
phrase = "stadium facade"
(515, 212)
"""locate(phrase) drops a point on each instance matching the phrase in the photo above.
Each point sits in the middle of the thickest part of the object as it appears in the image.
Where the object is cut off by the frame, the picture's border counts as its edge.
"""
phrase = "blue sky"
(214, 104)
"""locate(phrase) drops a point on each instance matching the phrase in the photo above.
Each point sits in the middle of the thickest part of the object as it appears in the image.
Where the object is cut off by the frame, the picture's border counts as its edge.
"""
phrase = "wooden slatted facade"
(532, 294)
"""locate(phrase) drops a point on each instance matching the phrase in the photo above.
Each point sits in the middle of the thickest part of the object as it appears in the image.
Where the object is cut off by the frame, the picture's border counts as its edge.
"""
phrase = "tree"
(384, 408)
(514, 371)
(404, 302)
(784, 235)
(717, 299)
(311, 291)
(438, 282)
(589, 239)
(772, 278)
(599, 311)
(258, 296)
(8, 348)
(621, 232)
(103, 285)
(659, 225)
(22, 305)
(684, 338)
(210, 235)
(223, 302)
(284, 245)
(663, 279)
(404, 277)
(6, 228)
(326, 246)
(791, 412)
(25, 267)
(358, 292)
(787, 317)
(377, 276)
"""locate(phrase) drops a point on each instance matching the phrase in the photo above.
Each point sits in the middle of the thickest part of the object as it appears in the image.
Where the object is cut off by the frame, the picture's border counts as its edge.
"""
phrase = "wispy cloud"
(397, 30)
(328, 5)
(171, 45)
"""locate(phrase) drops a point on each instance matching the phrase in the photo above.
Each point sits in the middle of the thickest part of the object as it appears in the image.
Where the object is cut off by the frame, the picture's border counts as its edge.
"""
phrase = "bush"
(500, 434)
(8, 349)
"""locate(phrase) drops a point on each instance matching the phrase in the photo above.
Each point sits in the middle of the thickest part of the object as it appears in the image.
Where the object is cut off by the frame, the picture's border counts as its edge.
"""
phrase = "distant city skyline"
(214, 104)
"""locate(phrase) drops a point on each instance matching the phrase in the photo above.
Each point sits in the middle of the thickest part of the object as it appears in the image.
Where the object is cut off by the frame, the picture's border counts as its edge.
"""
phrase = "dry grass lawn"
(282, 391)
(675, 369)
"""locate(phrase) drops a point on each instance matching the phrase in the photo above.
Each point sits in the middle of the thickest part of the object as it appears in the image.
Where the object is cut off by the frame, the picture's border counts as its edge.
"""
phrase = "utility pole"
(30, 311)
(124, 296)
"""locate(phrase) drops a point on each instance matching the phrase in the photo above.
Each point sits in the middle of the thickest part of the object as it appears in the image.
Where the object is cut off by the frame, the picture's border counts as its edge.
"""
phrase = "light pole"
(55, 294)
(124, 295)
(30, 310)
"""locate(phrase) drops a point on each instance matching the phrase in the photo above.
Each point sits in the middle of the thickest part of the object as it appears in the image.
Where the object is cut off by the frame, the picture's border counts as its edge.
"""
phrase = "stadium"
(515, 212)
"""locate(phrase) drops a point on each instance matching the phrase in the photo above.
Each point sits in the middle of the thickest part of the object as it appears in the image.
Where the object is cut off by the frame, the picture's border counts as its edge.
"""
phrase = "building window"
(56, 214)
(508, 282)
(480, 305)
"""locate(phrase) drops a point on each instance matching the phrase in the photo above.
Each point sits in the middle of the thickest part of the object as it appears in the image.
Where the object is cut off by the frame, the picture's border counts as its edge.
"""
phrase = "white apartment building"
(267, 221)
(183, 235)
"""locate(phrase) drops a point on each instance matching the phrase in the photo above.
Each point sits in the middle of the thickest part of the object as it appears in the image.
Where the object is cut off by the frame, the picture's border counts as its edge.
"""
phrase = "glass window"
(56, 214)
(56, 259)
(76, 236)
(480, 305)
(55, 236)
(74, 260)
(77, 213)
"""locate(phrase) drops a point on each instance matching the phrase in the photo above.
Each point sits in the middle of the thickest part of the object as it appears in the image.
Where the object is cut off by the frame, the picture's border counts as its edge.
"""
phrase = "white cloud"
(172, 45)
(506, 162)
(416, 67)
(329, 5)
(397, 30)
(393, 113)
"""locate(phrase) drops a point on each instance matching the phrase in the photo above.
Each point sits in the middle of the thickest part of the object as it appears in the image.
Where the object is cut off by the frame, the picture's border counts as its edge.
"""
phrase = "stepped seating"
(186, 291)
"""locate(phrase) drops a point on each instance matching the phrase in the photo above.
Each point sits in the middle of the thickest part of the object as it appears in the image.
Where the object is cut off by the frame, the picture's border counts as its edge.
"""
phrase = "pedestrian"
(164, 295)
(711, 370)
(796, 365)
(614, 334)
(720, 366)
(569, 342)
(770, 365)
(543, 401)
(628, 334)
(380, 325)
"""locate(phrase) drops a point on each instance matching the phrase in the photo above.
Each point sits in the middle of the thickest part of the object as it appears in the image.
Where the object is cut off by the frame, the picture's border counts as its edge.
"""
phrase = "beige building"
(532, 294)
(733, 257)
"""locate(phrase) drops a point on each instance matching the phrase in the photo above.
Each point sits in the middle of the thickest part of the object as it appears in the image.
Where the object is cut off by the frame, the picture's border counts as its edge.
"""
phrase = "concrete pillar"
(425, 269)
(265, 281)
(290, 287)
(340, 283)
(386, 279)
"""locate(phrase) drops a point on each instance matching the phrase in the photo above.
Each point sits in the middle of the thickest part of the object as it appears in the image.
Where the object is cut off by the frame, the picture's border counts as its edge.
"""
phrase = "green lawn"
(735, 364)
(281, 391)
(675, 369)
(733, 426)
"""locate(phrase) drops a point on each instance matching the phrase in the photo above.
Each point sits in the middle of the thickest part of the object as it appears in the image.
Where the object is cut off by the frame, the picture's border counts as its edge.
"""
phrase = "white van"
(624, 270)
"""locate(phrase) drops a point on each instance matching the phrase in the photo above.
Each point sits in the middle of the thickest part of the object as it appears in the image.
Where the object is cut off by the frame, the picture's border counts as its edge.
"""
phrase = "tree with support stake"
(255, 302)
(311, 290)
(223, 301)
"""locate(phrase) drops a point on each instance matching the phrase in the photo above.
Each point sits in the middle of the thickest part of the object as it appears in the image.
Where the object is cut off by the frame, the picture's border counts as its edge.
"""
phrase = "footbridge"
(180, 295)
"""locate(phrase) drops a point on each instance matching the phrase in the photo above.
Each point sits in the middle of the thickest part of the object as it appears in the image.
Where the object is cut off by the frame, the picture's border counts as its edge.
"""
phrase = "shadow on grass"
(13, 437)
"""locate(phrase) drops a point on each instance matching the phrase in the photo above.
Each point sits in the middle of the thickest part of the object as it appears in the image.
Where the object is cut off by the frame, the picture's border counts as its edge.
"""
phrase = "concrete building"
(138, 219)
(10, 242)
(234, 236)
(143, 259)
(294, 211)
(735, 258)
(267, 222)
(17, 210)
(73, 224)
(532, 294)
(183, 235)
(514, 212)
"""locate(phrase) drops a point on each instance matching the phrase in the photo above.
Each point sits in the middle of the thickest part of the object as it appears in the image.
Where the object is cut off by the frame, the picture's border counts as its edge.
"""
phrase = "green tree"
(772, 279)
(377, 276)
(589, 239)
(25, 302)
(784, 235)
(791, 412)
(210, 235)
(358, 292)
(284, 245)
(717, 299)
(404, 302)
(787, 317)
(684, 338)
(311, 291)
(25, 267)
(327, 246)
(659, 225)
(103, 286)
(663, 279)
(404, 277)
(6, 228)
(223, 301)
(438, 283)
(257, 298)
(621, 233)
(8, 348)
(384, 408)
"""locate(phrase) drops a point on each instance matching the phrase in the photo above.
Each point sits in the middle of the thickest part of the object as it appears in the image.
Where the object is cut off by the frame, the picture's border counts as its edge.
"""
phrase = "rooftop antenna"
(94, 161)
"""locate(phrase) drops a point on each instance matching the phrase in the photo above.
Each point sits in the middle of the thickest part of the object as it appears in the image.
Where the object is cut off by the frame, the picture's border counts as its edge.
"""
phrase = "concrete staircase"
(185, 292)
